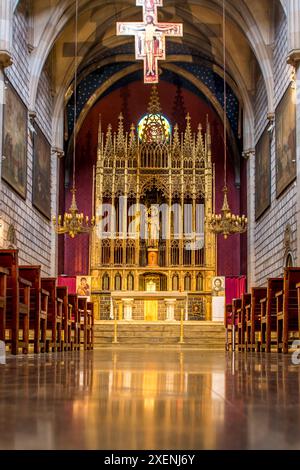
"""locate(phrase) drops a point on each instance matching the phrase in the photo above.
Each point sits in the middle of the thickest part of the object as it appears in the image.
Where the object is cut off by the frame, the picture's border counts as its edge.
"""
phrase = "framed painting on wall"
(15, 134)
(218, 286)
(83, 286)
(41, 187)
(285, 141)
(262, 174)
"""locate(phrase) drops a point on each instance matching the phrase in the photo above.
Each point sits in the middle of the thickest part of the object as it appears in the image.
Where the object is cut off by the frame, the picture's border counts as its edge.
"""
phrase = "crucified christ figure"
(152, 44)
(150, 39)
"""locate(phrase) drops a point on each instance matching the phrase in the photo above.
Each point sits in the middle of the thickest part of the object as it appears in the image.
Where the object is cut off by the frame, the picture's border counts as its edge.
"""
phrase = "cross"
(150, 37)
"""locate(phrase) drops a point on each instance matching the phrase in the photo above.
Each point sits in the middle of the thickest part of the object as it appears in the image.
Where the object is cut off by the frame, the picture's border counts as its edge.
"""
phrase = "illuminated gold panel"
(151, 310)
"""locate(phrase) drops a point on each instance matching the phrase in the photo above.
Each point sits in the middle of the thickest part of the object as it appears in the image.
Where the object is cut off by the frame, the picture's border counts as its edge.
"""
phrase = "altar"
(149, 306)
(152, 255)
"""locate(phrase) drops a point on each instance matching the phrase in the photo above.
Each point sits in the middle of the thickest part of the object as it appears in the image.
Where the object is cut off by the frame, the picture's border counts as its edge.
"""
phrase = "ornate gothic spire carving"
(155, 147)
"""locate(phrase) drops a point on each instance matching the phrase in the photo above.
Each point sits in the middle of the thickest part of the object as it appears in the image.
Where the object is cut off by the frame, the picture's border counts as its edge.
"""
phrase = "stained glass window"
(154, 128)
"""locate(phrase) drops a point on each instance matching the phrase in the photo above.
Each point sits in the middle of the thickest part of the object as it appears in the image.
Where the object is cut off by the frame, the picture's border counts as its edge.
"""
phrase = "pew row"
(34, 311)
(17, 304)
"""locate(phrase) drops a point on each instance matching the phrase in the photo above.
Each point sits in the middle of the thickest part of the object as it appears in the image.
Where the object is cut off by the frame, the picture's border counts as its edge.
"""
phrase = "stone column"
(6, 16)
(293, 18)
(250, 156)
(57, 155)
(170, 303)
(2, 97)
(297, 97)
(128, 308)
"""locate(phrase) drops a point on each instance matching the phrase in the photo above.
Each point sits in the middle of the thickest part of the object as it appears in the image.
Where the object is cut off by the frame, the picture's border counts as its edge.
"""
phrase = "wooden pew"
(75, 315)
(236, 305)
(268, 313)
(62, 293)
(253, 317)
(241, 312)
(231, 323)
(3, 283)
(83, 318)
(287, 308)
(17, 302)
(55, 312)
(38, 306)
(298, 298)
(227, 324)
(90, 306)
(86, 312)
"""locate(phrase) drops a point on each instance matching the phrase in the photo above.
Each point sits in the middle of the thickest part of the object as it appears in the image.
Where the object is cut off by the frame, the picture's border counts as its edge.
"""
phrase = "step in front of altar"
(203, 335)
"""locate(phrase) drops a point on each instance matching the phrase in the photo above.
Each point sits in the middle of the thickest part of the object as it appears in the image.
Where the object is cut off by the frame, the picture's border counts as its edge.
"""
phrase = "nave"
(149, 225)
(149, 398)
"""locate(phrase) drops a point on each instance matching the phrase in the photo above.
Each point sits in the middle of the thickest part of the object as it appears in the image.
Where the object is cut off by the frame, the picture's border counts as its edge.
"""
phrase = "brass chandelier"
(226, 223)
(73, 223)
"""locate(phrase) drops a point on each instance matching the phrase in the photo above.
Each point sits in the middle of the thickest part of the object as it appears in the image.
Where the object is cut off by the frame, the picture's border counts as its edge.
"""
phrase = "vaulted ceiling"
(250, 36)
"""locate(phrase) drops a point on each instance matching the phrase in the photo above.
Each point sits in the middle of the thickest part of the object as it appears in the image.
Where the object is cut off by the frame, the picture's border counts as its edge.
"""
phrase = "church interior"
(149, 224)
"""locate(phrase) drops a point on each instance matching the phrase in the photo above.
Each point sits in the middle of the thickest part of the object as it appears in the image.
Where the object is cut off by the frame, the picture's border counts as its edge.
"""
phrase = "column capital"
(32, 115)
(5, 59)
(170, 301)
(59, 152)
(127, 301)
(293, 58)
(32, 118)
(248, 153)
(6, 23)
(293, 20)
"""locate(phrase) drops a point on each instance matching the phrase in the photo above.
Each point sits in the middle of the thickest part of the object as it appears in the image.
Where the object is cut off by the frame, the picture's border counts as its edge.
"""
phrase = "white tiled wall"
(270, 228)
(34, 232)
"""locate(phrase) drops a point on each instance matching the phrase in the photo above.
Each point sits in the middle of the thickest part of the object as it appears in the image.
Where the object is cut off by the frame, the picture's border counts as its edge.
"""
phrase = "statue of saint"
(153, 226)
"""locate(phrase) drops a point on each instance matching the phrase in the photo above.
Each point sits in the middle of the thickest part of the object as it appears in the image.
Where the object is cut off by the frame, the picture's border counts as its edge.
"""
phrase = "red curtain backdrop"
(75, 253)
(69, 282)
(235, 287)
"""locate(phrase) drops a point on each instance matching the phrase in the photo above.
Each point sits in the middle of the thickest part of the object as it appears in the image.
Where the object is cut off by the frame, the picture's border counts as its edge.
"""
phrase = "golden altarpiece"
(151, 253)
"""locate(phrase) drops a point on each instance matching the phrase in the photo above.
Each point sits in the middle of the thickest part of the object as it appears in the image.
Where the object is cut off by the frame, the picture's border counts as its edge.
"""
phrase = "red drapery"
(69, 282)
(235, 287)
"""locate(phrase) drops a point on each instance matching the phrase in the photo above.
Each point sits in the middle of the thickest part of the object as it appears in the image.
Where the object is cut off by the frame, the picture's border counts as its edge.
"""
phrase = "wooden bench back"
(274, 285)
(257, 294)
(90, 307)
(227, 315)
(9, 260)
(236, 305)
(33, 274)
(73, 300)
(82, 307)
(246, 300)
(291, 279)
(62, 293)
(50, 284)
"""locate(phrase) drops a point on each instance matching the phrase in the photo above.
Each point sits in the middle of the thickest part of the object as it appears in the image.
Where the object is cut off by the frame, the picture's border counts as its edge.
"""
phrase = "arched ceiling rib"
(249, 35)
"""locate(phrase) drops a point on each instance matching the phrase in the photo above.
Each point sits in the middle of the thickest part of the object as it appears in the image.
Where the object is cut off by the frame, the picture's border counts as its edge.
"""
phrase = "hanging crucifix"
(150, 37)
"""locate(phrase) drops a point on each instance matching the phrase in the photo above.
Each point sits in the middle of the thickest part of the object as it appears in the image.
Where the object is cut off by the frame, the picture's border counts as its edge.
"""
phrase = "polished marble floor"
(150, 399)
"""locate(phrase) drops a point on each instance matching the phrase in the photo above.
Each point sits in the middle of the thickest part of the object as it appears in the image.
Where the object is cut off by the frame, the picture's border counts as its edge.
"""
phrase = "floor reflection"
(149, 399)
